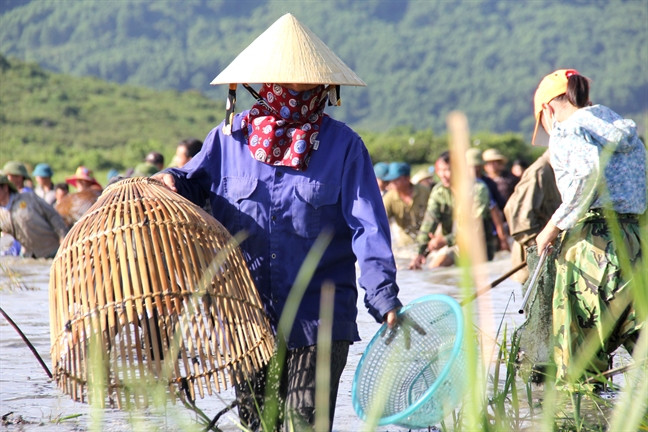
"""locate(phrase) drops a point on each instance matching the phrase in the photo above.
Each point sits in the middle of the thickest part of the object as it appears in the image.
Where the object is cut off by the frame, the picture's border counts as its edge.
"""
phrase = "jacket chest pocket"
(313, 207)
(245, 210)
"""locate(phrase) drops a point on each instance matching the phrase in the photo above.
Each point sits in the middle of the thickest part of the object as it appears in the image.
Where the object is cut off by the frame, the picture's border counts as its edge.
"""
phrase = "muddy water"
(26, 391)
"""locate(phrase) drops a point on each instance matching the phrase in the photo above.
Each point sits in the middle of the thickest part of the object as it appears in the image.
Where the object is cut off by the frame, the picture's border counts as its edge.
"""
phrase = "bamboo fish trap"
(147, 292)
(73, 206)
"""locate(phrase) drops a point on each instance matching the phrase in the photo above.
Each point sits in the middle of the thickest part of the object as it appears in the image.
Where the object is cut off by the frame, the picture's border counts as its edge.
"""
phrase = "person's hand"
(504, 245)
(167, 180)
(547, 236)
(397, 322)
(417, 262)
(391, 317)
(437, 243)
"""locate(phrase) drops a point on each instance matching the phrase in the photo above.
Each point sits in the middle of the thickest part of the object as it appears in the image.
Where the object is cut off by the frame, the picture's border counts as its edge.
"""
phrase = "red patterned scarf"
(283, 125)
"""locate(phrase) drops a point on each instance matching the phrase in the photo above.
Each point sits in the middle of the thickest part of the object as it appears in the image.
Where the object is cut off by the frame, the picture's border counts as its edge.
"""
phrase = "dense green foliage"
(421, 59)
(68, 121)
(71, 121)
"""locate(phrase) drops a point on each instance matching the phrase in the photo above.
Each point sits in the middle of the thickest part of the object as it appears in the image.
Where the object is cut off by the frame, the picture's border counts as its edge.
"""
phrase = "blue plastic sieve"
(418, 386)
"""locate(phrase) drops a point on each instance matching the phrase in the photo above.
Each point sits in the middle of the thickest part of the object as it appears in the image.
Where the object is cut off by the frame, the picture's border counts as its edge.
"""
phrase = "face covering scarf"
(282, 127)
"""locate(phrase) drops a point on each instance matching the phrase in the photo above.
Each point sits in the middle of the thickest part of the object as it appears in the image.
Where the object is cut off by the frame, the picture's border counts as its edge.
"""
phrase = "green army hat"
(16, 168)
(5, 180)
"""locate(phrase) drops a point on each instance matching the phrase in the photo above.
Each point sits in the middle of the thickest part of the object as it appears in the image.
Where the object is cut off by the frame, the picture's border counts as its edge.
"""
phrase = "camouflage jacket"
(439, 212)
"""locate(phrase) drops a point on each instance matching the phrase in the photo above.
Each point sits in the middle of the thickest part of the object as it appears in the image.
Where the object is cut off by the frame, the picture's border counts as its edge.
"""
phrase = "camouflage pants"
(593, 312)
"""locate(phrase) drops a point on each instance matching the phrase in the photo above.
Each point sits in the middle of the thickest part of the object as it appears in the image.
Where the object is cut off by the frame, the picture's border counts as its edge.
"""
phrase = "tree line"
(421, 59)
(69, 121)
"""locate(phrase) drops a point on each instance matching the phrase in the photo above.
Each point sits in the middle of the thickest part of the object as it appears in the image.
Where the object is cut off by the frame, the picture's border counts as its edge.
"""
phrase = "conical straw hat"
(288, 52)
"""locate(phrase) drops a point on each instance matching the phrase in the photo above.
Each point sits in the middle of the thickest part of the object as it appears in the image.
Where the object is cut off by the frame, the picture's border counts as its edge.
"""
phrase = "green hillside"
(70, 121)
(421, 59)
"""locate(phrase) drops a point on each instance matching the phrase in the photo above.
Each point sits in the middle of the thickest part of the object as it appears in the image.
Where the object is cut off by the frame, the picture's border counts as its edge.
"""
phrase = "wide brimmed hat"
(5, 180)
(474, 157)
(16, 168)
(422, 175)
(82, 173)
(288, 53)
(43, 170)
(551, 86)
(491, 155)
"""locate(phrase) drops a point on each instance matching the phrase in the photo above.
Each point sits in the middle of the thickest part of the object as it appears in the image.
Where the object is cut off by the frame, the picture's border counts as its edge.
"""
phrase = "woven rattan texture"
(148, 292)
(73, 206)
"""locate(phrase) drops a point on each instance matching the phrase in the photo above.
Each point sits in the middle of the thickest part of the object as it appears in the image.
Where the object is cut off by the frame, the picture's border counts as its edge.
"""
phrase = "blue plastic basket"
(419, 386)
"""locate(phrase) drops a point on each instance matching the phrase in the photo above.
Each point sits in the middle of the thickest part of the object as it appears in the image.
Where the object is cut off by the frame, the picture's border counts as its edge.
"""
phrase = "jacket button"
(273, 256)
(273, 217)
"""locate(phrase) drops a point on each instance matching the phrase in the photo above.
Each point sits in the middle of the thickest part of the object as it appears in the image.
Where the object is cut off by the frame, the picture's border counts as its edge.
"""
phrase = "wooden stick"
(29, 344)
(616, 371)
(493, 284)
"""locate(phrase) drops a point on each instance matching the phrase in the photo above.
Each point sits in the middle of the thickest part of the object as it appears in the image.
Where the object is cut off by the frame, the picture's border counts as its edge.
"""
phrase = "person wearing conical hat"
(286, 173)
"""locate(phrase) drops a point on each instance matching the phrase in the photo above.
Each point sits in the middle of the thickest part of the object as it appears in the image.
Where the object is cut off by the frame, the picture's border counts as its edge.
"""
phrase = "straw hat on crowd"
(16, 168)
(82, 173)
(421, 175)
(492, 155)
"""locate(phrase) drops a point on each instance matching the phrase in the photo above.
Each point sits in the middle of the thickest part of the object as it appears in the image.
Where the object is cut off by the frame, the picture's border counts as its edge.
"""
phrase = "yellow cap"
(551, 86)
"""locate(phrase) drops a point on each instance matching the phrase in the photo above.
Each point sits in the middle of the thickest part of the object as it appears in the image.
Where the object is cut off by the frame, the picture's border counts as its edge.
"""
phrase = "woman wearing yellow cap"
(600, 167)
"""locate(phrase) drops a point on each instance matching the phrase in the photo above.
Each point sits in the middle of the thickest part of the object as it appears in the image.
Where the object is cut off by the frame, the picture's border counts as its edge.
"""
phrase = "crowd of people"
(35, 212)
(420, 209)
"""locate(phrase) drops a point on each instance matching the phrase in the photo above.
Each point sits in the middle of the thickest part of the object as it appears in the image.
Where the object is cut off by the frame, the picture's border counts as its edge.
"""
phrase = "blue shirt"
(283, 212)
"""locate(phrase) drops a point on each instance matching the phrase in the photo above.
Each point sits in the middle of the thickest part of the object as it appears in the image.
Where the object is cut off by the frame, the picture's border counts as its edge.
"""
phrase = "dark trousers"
(296, 389)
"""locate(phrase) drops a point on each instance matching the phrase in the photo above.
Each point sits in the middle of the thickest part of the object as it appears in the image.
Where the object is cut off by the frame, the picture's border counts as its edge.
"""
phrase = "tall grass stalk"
(323, 368)
(472, 256)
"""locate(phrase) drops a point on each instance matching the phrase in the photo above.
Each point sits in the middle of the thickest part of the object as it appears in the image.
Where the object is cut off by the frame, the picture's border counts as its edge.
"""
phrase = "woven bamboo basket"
(148, 291)
(73, 206)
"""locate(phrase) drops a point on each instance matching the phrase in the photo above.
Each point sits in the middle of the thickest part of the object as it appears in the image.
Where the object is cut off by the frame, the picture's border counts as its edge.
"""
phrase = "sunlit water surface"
(26, 391)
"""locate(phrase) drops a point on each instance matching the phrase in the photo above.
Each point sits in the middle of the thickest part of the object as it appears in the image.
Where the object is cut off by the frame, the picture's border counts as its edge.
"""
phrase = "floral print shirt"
(599, 162)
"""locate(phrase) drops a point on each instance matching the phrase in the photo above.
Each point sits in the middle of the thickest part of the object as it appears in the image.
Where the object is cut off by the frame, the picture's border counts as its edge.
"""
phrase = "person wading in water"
(600, 168)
